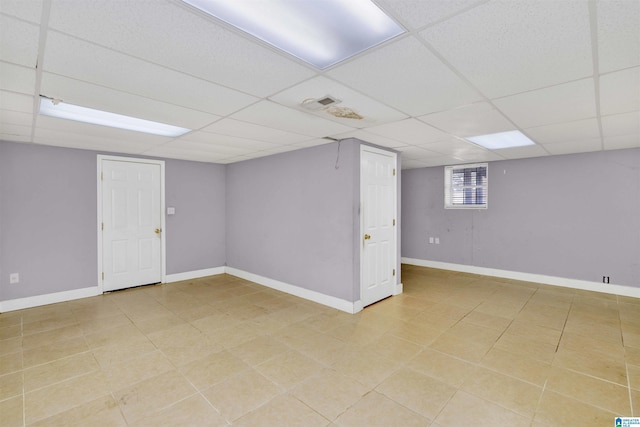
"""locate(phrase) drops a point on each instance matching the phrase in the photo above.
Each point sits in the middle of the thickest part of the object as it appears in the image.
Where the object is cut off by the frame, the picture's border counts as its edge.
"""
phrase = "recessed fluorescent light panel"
(496, 141)
(55, 108)
(319, 32)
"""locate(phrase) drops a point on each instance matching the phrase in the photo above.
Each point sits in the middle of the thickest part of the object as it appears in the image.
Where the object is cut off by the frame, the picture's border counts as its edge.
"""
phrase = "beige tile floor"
(453, 350)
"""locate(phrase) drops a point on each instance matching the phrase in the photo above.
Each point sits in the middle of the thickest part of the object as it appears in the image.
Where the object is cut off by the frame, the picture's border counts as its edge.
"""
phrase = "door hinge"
(103, 226)
(101, 176)
(394, 171)
(103, 275)
(394, 221)
(394, 271)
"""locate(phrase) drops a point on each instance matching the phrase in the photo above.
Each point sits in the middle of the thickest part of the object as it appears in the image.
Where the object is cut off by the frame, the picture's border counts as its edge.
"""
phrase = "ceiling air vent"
(316, 104)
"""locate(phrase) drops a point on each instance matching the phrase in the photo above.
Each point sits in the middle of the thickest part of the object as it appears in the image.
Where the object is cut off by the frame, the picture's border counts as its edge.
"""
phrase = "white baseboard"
(337, 303)
(529, 277)
(189, 275)
(46, 299)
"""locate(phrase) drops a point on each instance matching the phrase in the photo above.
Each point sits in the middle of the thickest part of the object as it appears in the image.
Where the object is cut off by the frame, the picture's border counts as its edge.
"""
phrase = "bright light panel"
(320, 32)
(496, 141)
(97, 117)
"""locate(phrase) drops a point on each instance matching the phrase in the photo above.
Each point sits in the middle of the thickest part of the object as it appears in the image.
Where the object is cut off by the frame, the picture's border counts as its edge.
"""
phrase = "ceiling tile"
(104, 139)
(618, 34)
(16, 133)
(270, 114)
(406, 76)
(454, 147)
(16, 102)
(523, 152)
(16, 118)
(471, 120)
(415, 152)
(622, 141)
(225, 141)
(83, 61)
(15, 78)
(18, 42)
(372, 138)
(253, 131)
(415, 14)
(620, 91)
(101, 98)
(413, 164)
(183, 39)
(564, 132)
(582, 146)
(507, 47)
(409, 131)
(556, 104)
(28, 10)
(373, 112)
(621, 124)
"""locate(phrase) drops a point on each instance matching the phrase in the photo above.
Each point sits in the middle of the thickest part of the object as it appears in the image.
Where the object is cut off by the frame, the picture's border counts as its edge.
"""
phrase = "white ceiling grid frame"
(30, 11)
(111, 100)
(87, 62)
(566, 131)
(582, 146)
(247, 130)
(182, 38)
(409, 131)
(18, 41)
(417, 14)
(419, 83)
(550, 44)
(480, 118)
(555, 104)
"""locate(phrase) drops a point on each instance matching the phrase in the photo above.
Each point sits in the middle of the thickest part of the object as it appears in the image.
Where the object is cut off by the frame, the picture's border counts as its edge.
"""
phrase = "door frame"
(163, 252)
(397, 289)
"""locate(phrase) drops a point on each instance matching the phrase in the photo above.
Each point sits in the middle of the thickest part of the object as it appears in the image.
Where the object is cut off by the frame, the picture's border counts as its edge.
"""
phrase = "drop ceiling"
(565, 73)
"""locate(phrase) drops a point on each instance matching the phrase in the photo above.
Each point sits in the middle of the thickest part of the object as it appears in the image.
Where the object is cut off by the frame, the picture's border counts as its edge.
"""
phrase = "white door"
(131, 223)
(378, 213)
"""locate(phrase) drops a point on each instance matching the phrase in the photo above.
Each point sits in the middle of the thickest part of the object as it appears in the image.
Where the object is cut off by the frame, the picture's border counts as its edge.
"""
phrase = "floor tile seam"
(63, 358)
(73, 377)
(542, 393)
(154, 411)
(484, 399)
(573, 398)
(431, 420)
(530, 416)
(629, 389)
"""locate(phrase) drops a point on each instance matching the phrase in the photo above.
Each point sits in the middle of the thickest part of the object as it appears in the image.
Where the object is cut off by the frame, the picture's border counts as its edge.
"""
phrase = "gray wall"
(293, 217)
(574, 216)
(196, 236)
(48, 218)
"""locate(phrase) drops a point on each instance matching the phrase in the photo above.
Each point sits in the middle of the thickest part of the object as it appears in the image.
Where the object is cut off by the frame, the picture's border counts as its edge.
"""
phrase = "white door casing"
(378, 195)
(130, 222)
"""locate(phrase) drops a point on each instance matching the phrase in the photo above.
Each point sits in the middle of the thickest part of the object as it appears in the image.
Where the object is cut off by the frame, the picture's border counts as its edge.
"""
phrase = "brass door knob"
(367, 237)
(158, 230)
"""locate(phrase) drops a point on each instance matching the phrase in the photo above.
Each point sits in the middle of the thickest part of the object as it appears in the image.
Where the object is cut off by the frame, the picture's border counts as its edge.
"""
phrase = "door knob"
(367, 237)
(158, 230)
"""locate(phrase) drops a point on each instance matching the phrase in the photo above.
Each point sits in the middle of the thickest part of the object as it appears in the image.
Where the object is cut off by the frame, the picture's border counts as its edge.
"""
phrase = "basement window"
(466, 186)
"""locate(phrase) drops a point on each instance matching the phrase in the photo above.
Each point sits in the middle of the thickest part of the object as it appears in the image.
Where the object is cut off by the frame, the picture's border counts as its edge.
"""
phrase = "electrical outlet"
(605, 279)
(437, 240)
(431, 240)
(14, 278)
